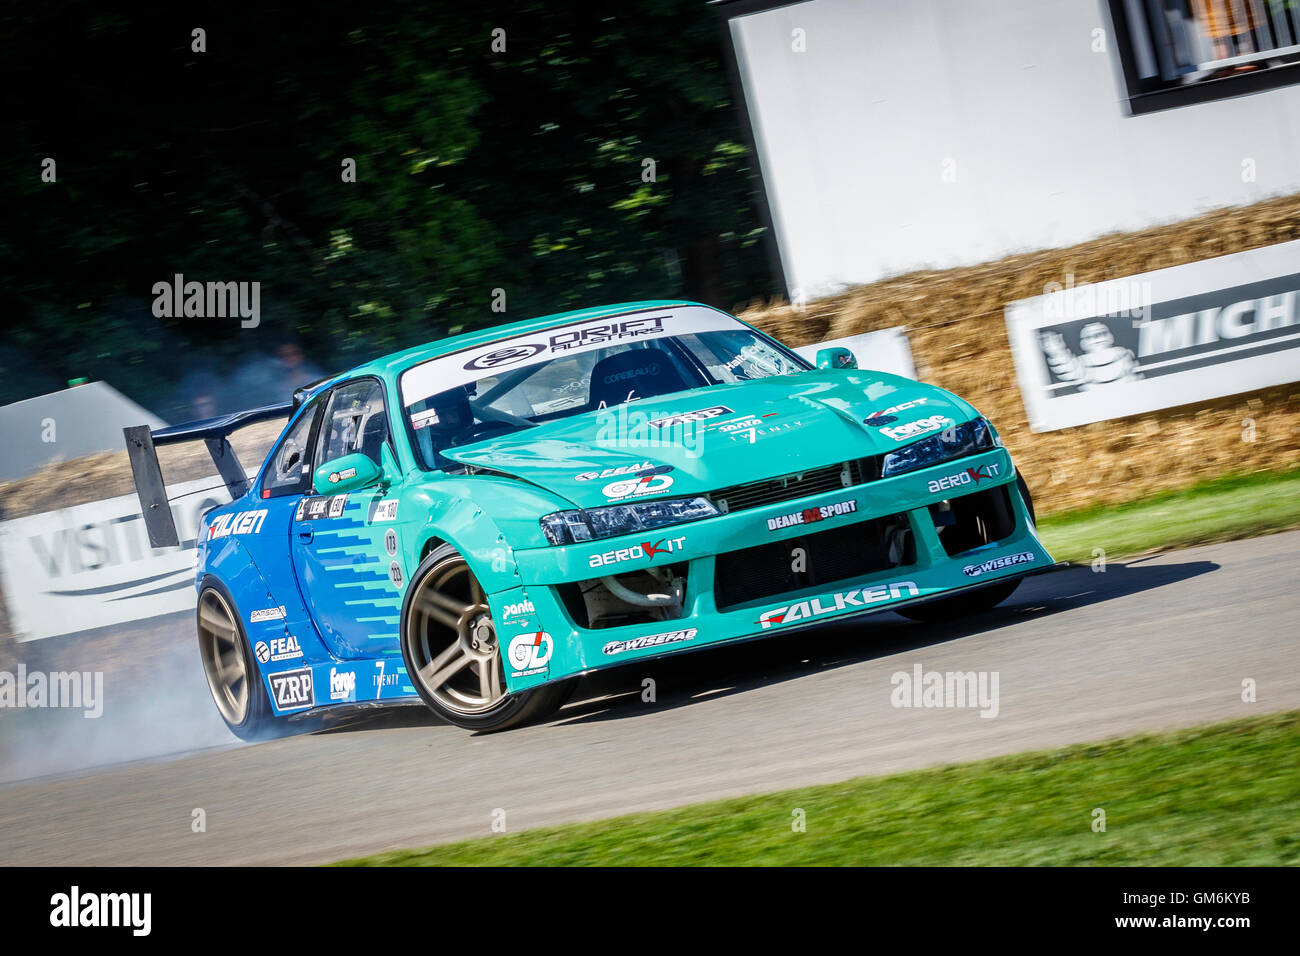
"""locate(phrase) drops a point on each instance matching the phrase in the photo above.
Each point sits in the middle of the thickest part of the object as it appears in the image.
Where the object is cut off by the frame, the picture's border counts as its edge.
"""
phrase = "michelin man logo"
(1102, 362)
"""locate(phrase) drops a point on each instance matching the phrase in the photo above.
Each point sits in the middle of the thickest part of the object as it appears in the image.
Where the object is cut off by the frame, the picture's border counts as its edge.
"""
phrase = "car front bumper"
(928, 572)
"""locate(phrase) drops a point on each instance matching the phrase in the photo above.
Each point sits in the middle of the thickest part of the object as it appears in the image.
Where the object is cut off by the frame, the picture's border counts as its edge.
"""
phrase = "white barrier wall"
(885, 350)
(939, 133)
(91, 565)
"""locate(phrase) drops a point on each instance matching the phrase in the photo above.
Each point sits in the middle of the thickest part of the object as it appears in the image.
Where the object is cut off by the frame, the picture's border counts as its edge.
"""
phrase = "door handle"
(304, 535)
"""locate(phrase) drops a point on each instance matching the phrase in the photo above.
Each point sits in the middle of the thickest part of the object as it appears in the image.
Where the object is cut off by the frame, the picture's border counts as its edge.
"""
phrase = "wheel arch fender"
(248, 591)
(479, 539)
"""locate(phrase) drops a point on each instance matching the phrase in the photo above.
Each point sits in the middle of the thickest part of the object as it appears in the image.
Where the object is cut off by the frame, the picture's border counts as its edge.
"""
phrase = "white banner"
(91, 565)
(885, 350)
(533, 348)
(1094, 352)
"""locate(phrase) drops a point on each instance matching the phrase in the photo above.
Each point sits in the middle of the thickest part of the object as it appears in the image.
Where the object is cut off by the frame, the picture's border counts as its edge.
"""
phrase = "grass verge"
(1220, 795)
(1222, 509)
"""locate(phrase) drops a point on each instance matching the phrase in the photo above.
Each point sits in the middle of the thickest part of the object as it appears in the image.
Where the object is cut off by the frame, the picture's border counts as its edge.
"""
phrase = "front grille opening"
(799, 484)
(809, 560)
(594, 604)
(973, 520)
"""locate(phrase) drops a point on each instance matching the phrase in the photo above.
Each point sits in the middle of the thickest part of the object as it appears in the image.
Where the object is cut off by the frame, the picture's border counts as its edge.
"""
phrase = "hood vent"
(799, 484)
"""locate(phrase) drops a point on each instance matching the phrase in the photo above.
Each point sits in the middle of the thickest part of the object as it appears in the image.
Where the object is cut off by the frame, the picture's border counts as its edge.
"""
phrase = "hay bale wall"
(955, 321)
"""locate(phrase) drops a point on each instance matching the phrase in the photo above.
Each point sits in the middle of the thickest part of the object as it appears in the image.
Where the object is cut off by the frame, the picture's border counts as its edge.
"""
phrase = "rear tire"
(453, 657)
(232, 673)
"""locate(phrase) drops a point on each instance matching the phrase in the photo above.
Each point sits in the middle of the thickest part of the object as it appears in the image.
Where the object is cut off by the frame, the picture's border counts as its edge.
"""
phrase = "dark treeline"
(476, 170)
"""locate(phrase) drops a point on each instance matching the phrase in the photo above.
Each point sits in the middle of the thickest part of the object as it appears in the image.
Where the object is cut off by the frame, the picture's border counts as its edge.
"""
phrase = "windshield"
(517, 383)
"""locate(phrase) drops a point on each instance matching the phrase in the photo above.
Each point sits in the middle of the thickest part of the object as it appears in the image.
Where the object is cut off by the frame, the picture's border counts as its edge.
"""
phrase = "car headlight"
(974, 436)
(571, 527)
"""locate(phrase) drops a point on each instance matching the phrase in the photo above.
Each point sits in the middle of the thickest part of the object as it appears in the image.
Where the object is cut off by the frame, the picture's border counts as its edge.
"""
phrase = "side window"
(290, 469)
(354, 421)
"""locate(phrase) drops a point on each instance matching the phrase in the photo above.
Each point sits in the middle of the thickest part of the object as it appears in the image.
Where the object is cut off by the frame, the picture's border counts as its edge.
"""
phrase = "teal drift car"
(476, 523)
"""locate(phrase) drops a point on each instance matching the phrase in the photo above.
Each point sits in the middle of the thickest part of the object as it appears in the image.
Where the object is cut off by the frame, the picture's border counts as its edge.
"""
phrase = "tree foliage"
(476, 170)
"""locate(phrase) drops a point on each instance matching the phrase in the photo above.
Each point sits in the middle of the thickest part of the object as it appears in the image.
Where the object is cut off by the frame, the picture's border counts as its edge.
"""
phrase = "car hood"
(753, 430)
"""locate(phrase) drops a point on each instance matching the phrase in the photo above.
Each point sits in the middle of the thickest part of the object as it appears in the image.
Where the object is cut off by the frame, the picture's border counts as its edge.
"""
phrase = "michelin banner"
(1092, 352)
(91, 565)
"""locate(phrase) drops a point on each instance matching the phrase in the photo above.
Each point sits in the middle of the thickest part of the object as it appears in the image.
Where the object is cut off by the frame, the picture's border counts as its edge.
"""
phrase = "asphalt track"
(1150, 644)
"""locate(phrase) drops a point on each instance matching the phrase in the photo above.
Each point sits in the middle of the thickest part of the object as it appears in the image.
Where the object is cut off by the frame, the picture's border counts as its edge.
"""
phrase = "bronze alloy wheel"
(453, 652)
(453, 641)
(222, 648)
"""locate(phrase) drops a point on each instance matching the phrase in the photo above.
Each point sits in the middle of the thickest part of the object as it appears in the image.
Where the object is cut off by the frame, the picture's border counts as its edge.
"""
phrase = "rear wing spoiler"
(141, 445)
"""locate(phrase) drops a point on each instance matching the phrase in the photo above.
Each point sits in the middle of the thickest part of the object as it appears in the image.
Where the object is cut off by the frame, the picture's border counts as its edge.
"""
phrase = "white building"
(64, 425)
(894, 136)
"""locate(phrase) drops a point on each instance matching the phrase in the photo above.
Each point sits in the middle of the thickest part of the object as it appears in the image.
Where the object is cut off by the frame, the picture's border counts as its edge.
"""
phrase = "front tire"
(973, 602)
(1029, 501)
(961, 605)
(451, 651)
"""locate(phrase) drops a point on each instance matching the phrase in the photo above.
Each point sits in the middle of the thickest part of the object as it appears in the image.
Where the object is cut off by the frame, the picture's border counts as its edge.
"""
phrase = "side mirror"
(348, 473)
(390, 467)
(836, 358)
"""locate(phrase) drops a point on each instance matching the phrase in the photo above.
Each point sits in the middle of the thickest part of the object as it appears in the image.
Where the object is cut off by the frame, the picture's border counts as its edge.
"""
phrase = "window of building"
(1179, 52)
